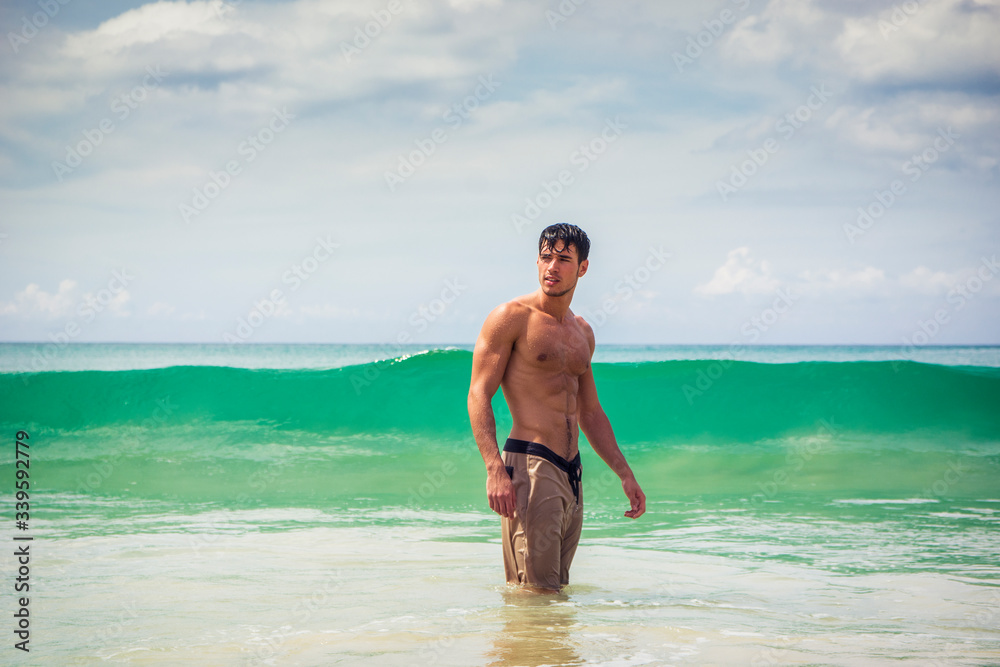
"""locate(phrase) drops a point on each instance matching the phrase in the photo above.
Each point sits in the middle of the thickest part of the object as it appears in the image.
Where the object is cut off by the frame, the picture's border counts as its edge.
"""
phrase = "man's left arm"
(597, 427)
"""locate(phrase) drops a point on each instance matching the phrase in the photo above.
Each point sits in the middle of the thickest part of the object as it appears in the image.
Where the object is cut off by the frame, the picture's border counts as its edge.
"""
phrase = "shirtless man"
(539, 353)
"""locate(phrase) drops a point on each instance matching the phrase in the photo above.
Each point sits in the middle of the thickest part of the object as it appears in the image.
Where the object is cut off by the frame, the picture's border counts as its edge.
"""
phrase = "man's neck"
(556, 306)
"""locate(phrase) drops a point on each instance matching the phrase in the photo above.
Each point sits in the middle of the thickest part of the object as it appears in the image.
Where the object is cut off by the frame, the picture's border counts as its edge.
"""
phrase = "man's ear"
(583, 268)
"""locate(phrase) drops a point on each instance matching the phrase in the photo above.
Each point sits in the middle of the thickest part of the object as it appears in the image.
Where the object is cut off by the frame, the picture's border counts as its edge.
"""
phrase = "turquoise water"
(325, 505)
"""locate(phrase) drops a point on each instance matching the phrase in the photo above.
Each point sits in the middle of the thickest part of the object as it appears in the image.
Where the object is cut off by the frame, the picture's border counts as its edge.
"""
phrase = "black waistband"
(573, 469)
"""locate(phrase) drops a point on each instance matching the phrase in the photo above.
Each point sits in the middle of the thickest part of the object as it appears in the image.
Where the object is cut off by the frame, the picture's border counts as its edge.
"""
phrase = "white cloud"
(148, 24)
(912, 122)
(933, 42)
(933, 68)
(926, 281)
(160, 309)
(33, 300)
(106, 300)
(254, 56)
(975, 278)
(740, 273)
(866, 280)
(776, 33)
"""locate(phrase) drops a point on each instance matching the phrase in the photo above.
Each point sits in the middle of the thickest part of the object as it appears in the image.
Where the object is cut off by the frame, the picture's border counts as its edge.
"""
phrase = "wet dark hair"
(569, 235)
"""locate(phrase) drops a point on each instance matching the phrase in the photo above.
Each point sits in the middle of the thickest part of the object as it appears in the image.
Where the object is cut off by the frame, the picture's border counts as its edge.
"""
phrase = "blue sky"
(749, 172)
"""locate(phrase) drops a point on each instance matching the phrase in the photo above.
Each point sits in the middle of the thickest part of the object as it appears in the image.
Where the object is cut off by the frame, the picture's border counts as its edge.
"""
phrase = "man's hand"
(635, 496)
(500, 492)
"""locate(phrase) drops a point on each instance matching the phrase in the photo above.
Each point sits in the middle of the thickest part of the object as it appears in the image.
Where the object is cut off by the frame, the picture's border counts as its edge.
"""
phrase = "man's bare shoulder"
(517, 310)
(588, 331)
(509, 319)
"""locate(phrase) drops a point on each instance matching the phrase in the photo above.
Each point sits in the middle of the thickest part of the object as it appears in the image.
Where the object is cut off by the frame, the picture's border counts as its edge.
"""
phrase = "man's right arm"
(489, 362)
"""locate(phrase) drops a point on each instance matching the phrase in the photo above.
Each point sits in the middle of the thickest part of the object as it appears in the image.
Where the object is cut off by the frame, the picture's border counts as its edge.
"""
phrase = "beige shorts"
(541, 539)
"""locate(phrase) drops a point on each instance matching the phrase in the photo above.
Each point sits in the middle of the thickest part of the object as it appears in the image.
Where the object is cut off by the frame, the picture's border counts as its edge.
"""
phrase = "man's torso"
(542, 378)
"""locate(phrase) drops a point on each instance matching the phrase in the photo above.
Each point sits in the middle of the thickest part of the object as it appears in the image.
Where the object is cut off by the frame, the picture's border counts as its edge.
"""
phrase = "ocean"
(325, 505)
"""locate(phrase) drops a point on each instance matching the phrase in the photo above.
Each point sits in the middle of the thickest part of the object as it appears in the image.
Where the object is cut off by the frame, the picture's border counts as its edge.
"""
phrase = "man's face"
(558, 268)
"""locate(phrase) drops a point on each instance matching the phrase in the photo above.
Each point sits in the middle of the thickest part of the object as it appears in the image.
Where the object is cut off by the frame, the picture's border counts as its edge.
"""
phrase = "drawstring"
(575, 474)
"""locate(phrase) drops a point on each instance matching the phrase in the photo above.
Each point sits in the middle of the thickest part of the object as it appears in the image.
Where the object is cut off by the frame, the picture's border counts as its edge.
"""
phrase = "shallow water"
(695, 583)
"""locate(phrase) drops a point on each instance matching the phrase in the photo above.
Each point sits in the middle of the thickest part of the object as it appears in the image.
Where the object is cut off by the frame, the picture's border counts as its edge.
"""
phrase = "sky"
(748, 171)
